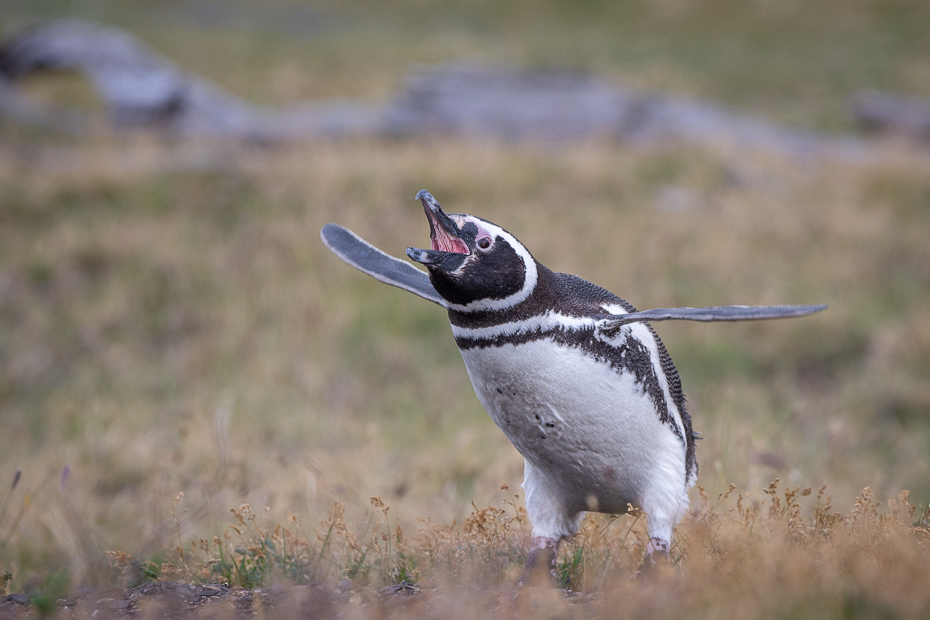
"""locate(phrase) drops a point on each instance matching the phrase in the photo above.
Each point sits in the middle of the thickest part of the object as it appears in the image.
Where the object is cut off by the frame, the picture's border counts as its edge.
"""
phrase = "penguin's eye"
(484, 243)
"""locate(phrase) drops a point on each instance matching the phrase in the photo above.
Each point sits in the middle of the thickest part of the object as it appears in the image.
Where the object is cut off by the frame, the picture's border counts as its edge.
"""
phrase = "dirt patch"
(168, 600)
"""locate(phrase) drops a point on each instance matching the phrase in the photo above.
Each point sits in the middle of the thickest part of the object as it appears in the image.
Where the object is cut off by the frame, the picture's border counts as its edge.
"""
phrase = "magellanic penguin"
(574, 376)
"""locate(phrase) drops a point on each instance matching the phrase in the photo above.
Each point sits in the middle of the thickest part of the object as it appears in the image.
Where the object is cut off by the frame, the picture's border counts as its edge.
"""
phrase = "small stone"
(19, 599)
(345, 585)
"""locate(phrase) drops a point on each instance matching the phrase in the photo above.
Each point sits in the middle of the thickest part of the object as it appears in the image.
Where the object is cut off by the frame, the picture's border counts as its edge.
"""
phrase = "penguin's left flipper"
(381, 266)
(715, 313)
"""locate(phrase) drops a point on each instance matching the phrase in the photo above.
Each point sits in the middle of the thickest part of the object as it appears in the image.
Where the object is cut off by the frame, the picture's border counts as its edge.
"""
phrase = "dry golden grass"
(172, 330)
(170, 322)
(736, 557)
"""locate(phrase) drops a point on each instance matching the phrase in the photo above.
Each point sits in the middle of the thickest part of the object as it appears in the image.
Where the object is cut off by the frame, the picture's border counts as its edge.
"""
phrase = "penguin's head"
(473, 264)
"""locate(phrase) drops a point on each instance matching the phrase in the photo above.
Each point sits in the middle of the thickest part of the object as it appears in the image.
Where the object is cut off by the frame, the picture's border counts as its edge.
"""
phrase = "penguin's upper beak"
(445, 236)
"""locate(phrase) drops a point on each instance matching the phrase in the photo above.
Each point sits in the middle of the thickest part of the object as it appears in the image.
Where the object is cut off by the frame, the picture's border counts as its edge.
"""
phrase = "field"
(176, 343)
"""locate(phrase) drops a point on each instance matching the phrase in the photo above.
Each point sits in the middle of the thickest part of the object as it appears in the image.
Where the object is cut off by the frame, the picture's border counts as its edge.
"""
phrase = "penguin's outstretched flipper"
(714, 313)
(381, 266)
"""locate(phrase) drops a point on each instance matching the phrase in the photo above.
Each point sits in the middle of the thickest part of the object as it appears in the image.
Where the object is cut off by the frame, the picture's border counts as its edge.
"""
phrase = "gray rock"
(141, 88)
(892, 113)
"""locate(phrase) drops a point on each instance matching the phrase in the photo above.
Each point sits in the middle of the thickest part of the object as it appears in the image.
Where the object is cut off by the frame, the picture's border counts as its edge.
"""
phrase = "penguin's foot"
(539, 570)
(656, 552)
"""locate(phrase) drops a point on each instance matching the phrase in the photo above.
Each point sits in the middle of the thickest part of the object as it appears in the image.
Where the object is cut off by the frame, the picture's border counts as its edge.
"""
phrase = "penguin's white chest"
(590, 428)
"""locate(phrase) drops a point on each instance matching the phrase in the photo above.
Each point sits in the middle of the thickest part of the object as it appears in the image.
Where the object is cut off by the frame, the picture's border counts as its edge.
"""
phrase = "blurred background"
(170, 321)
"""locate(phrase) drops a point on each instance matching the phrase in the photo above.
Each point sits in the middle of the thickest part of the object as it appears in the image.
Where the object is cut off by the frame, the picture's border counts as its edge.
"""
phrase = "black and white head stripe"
(497, 235)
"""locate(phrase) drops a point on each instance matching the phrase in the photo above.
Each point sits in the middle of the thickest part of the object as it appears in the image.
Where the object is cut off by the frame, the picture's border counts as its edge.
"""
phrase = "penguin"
(575, 377)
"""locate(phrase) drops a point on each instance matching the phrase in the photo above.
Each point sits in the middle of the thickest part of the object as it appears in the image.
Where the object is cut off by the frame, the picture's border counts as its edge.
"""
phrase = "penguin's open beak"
(445, 236)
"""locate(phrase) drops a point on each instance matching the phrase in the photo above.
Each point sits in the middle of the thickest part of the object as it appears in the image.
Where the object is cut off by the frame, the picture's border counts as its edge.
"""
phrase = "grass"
(787, 551)
(173, 332)
(170, 321)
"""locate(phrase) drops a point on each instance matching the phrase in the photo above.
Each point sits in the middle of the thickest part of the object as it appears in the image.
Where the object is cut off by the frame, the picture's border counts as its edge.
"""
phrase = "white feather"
(545, 322)
(586, 431)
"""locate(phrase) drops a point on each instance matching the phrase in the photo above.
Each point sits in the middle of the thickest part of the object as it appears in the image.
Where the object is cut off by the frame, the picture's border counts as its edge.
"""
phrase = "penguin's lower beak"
(444, 234)
(427, 257)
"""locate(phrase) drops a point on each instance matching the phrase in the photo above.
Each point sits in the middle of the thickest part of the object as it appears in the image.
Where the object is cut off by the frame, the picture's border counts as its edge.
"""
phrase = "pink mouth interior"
(445, 242)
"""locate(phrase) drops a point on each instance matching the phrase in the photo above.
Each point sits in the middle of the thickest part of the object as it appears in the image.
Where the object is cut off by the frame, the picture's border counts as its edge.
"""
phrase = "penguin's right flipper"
(381, 266)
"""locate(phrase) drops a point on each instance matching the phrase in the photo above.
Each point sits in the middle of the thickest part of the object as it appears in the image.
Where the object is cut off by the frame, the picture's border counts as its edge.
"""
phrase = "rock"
(142, 89)
(404, 588)
(892, 113)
